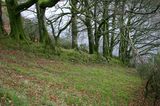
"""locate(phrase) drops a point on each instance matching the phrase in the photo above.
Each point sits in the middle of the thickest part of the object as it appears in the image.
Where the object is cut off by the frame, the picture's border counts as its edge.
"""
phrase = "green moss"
(42, 1)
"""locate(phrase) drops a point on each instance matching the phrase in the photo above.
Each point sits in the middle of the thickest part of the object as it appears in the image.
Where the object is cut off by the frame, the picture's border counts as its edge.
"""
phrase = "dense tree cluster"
(129, 26)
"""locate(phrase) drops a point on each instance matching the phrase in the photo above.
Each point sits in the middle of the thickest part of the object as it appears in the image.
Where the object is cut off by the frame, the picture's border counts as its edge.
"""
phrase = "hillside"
(30, 80)
(79, 53)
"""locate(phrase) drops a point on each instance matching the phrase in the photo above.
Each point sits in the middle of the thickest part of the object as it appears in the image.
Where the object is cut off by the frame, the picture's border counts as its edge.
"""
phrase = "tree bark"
(44, 36)
(14, 9)
(112, 42)
(124, 37)
(41, 23)
(74, 25)
(105, 30)
(122, 40)
(16, 25)
(47, 3)
(96, 34)
(89, 28)
(2, 31)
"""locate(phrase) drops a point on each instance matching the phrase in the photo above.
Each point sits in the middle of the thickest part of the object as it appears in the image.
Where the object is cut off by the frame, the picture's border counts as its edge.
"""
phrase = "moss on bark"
(16, 25)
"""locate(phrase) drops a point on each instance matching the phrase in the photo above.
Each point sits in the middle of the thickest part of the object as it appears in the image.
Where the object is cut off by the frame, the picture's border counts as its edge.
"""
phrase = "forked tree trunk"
(14, 10)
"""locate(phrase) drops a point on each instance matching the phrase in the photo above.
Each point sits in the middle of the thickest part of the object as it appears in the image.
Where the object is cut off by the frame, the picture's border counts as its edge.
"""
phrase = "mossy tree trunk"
(2, 31)
(41, 8)
(74, 24)
(47, 3)
(41, 23)
(90, 37)
(112, 41)
(124, 37)
(96, 33)
(14, 9)
(16, 25)
(88, 24)
(105, 30)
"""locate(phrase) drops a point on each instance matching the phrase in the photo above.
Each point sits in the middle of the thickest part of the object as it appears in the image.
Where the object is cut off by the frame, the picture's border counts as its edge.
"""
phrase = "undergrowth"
(60, 53)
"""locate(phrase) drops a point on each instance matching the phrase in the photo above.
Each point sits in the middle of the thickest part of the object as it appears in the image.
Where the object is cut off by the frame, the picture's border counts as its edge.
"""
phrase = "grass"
(10, 97)
(37, 49)
(53, 82)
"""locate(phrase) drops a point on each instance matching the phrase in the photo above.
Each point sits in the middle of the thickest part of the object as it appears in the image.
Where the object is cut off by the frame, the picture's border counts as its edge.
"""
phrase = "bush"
(65, 43)
(83, 47)
(151, 72)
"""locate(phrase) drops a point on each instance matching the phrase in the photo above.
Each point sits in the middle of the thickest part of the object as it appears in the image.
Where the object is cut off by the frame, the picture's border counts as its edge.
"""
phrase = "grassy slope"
(32, 80)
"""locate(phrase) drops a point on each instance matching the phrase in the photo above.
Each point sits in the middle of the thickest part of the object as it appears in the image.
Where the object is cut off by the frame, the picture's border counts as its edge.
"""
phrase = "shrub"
(83, 47)
(151, 72)
(65, 43)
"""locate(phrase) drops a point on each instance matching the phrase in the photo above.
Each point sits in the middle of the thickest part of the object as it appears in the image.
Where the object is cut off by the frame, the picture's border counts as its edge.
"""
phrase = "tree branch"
(146, 13)
(25, 6)
(48, 3)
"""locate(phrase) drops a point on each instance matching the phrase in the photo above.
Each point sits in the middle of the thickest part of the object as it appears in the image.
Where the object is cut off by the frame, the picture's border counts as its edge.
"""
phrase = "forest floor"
(30, 80)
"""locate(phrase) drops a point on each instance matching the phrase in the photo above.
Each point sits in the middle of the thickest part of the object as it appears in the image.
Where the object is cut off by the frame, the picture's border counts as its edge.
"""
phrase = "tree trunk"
(89, 28)
(97, 37)
(2, 31)
(41, 23)
(105, 30)
(122, 41)
(112, 42)
(17, 31)
(56, 39)
(90, 38)
(74, 25)
(124, 37)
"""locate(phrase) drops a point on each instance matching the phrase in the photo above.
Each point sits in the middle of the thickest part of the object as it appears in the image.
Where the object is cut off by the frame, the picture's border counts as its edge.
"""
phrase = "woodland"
(80, 53)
